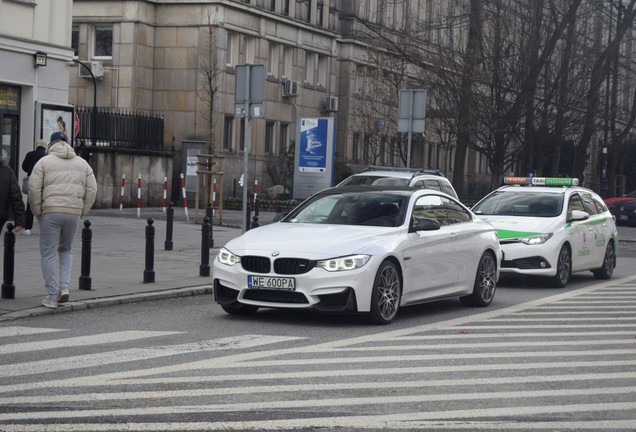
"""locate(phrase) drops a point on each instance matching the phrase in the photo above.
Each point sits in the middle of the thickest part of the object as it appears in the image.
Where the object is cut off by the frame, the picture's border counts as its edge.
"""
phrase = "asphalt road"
(536, 359)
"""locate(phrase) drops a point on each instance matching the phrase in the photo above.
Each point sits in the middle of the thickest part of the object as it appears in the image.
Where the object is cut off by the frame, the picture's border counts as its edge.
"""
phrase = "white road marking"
(479, 345)
(135, 354)
(315, 403)
(353, 422)
(546, 326)
(105, 338)
(305, 387)
(13, 331)
(515, 335)
(555, 317)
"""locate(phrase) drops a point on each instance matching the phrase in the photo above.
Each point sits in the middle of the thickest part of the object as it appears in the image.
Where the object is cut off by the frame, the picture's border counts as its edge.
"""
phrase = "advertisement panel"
(314, 156)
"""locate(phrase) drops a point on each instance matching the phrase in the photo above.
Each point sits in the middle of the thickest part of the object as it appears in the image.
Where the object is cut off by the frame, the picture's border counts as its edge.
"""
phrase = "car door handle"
(453, 236)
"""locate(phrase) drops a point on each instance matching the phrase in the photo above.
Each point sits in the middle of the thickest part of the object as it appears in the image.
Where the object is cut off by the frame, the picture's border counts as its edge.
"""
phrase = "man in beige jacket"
(62, 189)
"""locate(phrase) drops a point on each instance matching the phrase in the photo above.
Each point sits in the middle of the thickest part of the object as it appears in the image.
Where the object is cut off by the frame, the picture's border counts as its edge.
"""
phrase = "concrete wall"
(110, 164)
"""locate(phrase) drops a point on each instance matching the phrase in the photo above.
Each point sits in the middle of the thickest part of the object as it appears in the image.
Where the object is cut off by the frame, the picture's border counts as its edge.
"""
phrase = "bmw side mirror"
(420, 223)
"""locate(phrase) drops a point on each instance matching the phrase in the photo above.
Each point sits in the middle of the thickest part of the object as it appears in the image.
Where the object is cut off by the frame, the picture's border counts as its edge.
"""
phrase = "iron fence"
(120, 129)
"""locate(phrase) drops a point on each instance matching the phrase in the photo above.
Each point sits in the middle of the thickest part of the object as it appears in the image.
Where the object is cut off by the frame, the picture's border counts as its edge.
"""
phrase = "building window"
(103, 41)
(272, 59)
(269, 137)
(228, 124)
(231, 49)
(319, 13)
(355, 147)
(75, 40)
(272, 5)
(310, 67)
(285, 9)
(321, 70)
(249, 50)
(287, 62)
(282, 138)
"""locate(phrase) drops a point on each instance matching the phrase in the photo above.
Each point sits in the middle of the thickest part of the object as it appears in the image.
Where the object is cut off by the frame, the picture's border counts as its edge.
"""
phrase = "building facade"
(35, 40)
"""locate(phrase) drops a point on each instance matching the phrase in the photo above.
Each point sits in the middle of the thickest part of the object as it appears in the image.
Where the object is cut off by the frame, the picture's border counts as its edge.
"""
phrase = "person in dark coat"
(10, 198)
(28, 163)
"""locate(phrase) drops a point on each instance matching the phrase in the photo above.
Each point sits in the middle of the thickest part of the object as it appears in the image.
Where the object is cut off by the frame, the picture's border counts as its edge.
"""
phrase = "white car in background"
(388, 176)
(361, 249)
(551, 227)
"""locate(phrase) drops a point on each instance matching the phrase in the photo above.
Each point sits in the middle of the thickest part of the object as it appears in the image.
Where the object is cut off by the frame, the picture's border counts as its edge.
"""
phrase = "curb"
(110, 301)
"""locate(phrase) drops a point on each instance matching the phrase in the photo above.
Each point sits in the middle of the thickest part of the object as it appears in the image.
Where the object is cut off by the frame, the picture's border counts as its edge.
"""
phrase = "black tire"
(485, 282)
(385, 298)
(609, 262)
(237, 308)
(564, 268)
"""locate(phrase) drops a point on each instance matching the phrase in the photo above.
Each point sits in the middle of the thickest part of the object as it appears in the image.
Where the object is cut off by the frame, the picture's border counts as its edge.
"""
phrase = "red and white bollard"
(139, 196)
(183, 194)
(164, 203)
(213, 200)
(121, 196)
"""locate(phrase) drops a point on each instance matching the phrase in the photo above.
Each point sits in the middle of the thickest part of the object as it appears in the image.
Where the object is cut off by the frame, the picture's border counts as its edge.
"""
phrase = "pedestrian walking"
(62, 189)
(28, 163)
(10, 198)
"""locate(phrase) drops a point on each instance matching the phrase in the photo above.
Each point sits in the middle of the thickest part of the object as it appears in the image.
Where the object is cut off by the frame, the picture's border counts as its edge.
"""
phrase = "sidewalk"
(118, 260)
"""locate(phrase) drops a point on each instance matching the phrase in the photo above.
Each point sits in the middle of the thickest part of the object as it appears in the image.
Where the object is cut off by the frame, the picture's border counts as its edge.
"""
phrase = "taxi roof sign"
(542, 181)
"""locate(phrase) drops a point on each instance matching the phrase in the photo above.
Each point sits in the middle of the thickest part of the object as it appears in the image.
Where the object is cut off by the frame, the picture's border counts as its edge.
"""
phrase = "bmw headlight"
(535, 240)
(227, 257)
(351, 262)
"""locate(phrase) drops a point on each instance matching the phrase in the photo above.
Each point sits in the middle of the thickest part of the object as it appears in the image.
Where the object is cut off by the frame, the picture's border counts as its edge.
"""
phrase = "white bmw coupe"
(361, 249)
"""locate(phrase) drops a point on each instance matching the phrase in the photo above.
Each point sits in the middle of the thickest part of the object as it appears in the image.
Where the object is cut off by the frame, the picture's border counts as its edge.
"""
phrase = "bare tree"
(210, 71)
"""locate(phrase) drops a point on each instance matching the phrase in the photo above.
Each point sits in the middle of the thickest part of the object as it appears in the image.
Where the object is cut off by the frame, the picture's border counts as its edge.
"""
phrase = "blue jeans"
(57, 231)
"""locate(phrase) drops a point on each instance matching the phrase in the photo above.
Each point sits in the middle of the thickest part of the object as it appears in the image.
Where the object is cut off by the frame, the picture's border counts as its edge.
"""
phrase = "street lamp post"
(94, 112)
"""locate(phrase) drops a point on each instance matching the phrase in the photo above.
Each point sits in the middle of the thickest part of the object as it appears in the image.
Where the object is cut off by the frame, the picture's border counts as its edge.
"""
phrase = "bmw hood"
(311, 241)
(512, 227)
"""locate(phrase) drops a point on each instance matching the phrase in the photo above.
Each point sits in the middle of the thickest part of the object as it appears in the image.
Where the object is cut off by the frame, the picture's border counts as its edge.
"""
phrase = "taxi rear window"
(510, 203)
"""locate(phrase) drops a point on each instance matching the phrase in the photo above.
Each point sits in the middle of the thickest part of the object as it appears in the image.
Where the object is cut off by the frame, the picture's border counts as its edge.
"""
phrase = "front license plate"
(280, 283)
(622, 217)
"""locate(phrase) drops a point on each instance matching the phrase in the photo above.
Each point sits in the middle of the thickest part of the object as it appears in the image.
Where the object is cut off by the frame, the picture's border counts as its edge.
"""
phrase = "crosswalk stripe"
(480, 345)
(481, 336)
(105, 338)
(308, 388)
(315, 403)
(546, 326)
(353, 422)
(135, 354)
(13, 331)
(559, 318)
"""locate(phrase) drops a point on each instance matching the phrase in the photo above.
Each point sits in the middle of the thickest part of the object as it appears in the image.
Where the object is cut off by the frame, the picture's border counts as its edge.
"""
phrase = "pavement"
(118, 259)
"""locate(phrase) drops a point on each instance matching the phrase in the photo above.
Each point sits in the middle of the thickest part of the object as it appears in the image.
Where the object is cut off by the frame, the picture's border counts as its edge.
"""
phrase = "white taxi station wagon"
(362, 249)
(551, 227)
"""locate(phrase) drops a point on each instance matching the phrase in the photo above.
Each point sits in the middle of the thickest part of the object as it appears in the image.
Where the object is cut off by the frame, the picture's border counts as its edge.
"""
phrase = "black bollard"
(204, 268)
(8, 289)
(85, 276)
(169, 221)
(209, 212)
(149, 273)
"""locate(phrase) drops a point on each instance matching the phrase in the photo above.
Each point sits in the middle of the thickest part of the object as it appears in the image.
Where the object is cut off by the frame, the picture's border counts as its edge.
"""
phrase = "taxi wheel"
(485, 283)
(385, 298)
(609, 262)
(237, 308)
(564, 268)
